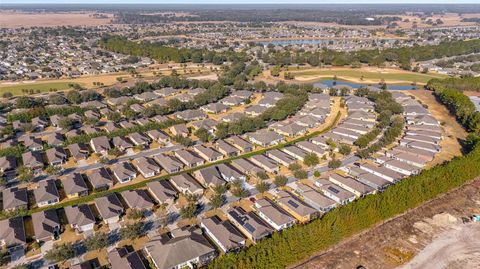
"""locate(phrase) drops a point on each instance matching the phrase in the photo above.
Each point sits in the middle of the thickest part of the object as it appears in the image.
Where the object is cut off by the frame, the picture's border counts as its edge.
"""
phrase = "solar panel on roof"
(249, 227)
(292, 203)
(333, 190)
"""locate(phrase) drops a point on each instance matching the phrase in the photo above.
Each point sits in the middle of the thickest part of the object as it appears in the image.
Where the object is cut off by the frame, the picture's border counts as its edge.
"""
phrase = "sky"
(240, 1)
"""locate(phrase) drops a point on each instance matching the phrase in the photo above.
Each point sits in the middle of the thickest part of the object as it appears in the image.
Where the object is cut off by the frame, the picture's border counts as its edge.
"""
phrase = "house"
(246, 167)
(80, 218)
(110, 208)
(46, 225)
(139, 139)
(168, 163)
(39, 123)
(255, 110)
(179, 250)
(351, 185)
(209, 177)
(249, 223)
(215, 108)
(266, 163)
(291, 129)
(8, 164)
(374, 181)
(226, 149)
(12, 235)
(362, 115)
(146, 166)
(121, 143)
(334, 192)
(56, 156)
(232, 117)
(232, 101)
(223, 234)
(229, 173)
(162, 191)
(180, 129)
(265, 138)
(14, 199)
(191, 115)
(159, 136)
(420, 145)
(402, 167)
(295, 152)
(275, 216)
(186, 184)
(46, 193)
(33, 143)
(164, 92)
(314, 198)
(243, 94)
(138, 199)
(280, 157)
(143, 121)
(382, 172)
(241, 143)
(310, 147)
(33, 160)
(408, 158)
(207, 124)
(78, 151)
(188, 158)
(55, 139)
(209, 154)
(346, 133)
(123, 172)
(100, 179)
(122, 258)
(100, 145)
(74, 185)
(295, 206)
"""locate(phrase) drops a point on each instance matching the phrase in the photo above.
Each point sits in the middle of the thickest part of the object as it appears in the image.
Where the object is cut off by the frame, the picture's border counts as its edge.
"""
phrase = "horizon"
(236, 2)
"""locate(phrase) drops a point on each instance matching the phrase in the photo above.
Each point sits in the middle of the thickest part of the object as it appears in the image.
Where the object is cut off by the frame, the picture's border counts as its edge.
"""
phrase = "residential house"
(122, 258)
(123, 172)
(168, 163)
(226, 149)
(295, 206)
(159, 136)
(246, 167)
(223, 233)
(209, 154)
(209, 177)
(139, 139)
(78, 151)
(46, 193)
(162, 191)
(146, 166)
(280, 157)
(110, 208)
(188, 158)
(14, 199)
(180, 129)
(74, 185)
(266, 163)
(46, 225)
(314, 198)
(334, 192)
(179, 250)
(229, 173)
(12, 234)
(186, 184)
(295, 152)
(351, 185)
(100, 179)
(275, 216)
(265, 138)
(100, 145)
(249, 223)
(33, 143)
(121, 143)
(80, 218)
(55, 139)
(56, 156)
(241, 143)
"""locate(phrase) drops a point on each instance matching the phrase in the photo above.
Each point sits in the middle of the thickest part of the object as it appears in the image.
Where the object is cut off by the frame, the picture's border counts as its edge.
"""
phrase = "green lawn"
(367, 75)
(42, 87)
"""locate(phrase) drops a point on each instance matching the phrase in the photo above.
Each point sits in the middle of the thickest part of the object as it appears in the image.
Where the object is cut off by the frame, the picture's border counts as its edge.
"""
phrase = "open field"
(454, 132)
(396, 241)
(448, 19)
(14, 19)
(370, 75)
(42, 87)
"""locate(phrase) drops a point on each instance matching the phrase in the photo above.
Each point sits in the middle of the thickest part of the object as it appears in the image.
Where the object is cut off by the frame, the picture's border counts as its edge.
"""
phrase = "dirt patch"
(453, 131)
(396, 241)
(13, 19)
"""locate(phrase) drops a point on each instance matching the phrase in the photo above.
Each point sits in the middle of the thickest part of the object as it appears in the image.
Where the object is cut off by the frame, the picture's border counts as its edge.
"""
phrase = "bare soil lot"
(14, 19)
(432, 230)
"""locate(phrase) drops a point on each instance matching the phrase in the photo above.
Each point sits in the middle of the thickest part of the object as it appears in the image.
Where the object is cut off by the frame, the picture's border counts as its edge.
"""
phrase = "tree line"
(301, 241)
(449, 92)
(163, 54)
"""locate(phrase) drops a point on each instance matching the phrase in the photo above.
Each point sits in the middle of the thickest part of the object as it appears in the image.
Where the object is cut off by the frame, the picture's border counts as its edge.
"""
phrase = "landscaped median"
(141, 184)
(301, 241)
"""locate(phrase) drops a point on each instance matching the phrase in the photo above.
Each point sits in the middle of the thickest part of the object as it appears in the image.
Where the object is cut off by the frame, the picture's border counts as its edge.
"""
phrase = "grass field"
(369, 76)
(42, 87)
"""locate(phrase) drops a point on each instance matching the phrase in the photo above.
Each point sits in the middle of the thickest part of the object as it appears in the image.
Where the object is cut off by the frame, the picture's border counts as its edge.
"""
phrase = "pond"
(331, 82)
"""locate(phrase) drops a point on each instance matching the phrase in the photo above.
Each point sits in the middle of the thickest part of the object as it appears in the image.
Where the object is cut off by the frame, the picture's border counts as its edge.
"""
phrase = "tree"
(203, 135)
(131, 231)
(7, 95)
(60, 253)
(217, 200)
(115, 152)
(262, 186)
(334, 164)
(66, 123)
(294, 167)
(188, 211)
(300, 174)
(25, 174)
(280, 180)
(219, 189)
(237, 189)
(331, 143)
(53, 170)
(316, 174)
(262, 175)
(74, 97)
(96, 241)
(344, 149)
(135, 214)
(311, 159)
